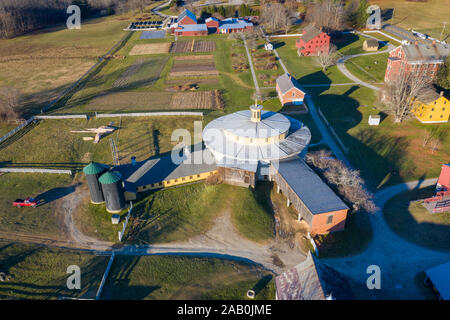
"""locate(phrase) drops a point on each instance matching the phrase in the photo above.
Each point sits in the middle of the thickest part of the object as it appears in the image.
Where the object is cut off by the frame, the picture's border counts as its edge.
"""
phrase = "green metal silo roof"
(93, 168)
(109, 178)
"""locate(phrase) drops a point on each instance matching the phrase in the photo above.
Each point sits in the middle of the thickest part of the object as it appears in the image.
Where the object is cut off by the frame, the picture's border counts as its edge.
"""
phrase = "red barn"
(425, 59)
(187, 17)
(289, 91)
(312, 42)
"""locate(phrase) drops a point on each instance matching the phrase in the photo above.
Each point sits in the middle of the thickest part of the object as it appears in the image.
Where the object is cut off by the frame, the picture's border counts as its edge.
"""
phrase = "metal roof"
(250, 166)
(192, 27)
(440, 277)
(94, 168)
(186, 13)
(215, 138)
(109, 178)
(153, 34)
(425, 52)
(232, 23)
(212, 19)
(286, 82)
(314, 193)
(162, 169)
(312, 280)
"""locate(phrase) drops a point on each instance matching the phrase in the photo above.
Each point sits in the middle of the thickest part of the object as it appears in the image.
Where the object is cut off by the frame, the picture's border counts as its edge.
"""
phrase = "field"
(426, 16)
(178, 277)
(196, 100)
(43, 63)
(193, 46)
(40, 273)
(42, 220)
(389, 153)
(193, 68)
(368, 68)
(407, 217)
(150, 48)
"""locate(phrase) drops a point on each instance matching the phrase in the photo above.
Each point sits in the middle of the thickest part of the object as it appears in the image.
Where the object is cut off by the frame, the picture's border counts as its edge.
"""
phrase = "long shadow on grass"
(56, 193)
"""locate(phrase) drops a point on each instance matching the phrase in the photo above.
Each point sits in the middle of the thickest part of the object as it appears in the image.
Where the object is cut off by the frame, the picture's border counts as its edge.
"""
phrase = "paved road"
(399, 260)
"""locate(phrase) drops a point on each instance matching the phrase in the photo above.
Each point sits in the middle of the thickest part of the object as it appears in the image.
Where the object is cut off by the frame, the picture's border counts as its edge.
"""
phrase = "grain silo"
(93, 171)
(113, 192)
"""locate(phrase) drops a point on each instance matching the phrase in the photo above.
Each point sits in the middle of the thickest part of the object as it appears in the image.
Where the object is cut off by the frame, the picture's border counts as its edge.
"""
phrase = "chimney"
(133, 160)
(441, 93)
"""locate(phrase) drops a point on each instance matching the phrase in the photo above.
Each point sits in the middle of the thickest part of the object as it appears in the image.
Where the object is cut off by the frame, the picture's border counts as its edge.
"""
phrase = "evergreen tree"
(443, 75)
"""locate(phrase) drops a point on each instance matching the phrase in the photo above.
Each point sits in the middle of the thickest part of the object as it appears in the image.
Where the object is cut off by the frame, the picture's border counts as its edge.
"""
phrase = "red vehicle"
(28, 202)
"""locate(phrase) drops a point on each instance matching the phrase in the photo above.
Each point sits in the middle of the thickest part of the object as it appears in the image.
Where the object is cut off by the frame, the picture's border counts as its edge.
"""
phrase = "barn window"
(198, 176)
(330, 219)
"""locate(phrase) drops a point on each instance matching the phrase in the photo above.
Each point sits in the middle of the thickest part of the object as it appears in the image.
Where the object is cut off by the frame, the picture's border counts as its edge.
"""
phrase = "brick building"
(313, 42)
(289, 91)
(423, 59)
(187, 17)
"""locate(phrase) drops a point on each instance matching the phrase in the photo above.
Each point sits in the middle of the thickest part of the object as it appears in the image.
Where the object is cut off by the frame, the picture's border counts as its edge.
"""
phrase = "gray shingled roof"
(312, 280)
(314, 193)
(161, 169)
(372, 42)
(425, 52)
(310, 32)
(286, 82)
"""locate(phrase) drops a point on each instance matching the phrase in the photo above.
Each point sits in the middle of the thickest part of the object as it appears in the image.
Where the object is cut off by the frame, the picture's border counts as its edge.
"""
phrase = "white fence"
(16, 129)
(149, 114)
(68, 116)
(127, 218)
(35, 170)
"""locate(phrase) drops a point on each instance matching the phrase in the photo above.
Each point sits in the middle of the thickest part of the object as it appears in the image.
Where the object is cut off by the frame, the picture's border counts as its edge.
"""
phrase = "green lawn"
(190, 278)
(412, 221)
(180, 213)
(142, 137)
(41, 220)
(368, 68)
(386, 154)
(39, 273)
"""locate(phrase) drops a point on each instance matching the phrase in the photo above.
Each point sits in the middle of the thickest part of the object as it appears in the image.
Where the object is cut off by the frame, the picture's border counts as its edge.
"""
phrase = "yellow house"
(435, 108)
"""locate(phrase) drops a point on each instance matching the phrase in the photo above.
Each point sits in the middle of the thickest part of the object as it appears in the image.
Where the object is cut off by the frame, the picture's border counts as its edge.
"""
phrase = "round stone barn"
(246, 143)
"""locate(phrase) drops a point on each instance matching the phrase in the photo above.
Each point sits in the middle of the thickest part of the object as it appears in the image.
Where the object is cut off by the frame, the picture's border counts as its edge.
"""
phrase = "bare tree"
(328, 58)
(327, 14)
(9, 101)
(348, 182)
(399, 95)
(275, 17)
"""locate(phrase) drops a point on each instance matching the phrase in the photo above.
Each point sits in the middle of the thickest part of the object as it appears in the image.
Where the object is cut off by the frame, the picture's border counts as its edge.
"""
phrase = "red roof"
(444, 178)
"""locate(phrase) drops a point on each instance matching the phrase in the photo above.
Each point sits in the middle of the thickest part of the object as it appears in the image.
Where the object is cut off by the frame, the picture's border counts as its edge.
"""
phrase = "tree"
(399, 95)
(443, 75)
(275, 17)
(327, 59)
(348, 182)
(9, 101)
(327, 14)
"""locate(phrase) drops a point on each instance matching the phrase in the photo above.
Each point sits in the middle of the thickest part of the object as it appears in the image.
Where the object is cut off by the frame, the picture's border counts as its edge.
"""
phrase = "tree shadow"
(262, 283)
(341, 40)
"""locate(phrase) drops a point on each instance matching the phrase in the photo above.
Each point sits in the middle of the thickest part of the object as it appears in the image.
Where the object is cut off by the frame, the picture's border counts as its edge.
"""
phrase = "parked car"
(28, 202)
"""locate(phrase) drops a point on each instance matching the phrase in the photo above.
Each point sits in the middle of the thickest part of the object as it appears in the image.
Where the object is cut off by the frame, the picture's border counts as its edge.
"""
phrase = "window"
(198, 176)
(431, 117)
(176, 180)
(191, 177)
(182, 179)
(330, 219)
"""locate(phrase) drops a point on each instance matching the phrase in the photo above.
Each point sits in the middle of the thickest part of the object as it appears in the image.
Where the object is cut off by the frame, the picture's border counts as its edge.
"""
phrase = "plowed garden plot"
(143, 72)
(150, 48)
(197, 100)
(130, 101)
(193, 68)
(198, 57)
(192, 46)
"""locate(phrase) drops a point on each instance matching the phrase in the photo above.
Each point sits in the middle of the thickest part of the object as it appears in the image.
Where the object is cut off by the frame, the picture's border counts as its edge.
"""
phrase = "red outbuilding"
(312, 42)
(187, 17)
(289, 91)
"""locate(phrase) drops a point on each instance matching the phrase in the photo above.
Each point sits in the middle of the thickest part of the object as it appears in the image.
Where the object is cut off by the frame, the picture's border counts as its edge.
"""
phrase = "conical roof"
(93, 168)
(109, 178)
